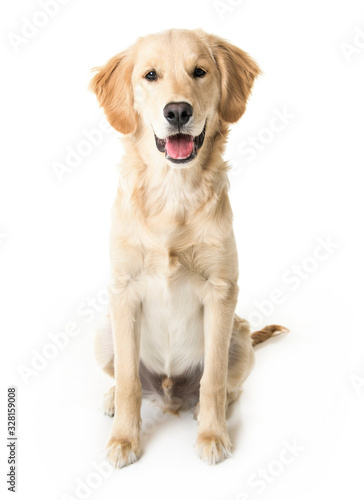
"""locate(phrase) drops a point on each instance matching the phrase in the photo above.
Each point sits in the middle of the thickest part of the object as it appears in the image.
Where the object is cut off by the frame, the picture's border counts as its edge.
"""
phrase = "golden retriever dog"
(173, 333)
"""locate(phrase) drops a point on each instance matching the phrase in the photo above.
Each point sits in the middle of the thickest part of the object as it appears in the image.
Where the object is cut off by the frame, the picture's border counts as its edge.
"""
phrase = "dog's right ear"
(112, 86)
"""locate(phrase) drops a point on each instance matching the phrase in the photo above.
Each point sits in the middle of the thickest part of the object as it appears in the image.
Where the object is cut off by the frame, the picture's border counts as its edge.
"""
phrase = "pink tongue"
(179, 147)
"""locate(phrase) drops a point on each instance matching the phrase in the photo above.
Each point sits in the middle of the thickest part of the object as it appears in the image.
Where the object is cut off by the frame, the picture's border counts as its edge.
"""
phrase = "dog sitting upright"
(173, 332)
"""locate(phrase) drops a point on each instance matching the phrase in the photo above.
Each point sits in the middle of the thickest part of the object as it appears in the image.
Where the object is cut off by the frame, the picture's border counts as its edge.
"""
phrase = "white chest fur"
(172, 325)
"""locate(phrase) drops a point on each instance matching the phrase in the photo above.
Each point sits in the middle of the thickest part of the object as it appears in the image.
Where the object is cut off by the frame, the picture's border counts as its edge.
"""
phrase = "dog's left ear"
(112, 86)
(238, 72)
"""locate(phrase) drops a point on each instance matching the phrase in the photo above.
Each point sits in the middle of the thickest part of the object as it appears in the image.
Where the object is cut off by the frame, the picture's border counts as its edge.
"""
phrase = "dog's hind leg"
(241, 358)
(109, 402)
(104, 354)
(241, 353)
(103, 346)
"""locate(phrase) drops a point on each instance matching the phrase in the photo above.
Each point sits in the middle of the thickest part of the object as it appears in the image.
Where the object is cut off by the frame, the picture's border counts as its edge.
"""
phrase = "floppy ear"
(238, 72)
(112, 86)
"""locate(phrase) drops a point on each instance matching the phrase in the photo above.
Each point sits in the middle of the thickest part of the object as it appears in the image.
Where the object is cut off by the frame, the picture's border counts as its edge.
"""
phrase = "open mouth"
(181, 148)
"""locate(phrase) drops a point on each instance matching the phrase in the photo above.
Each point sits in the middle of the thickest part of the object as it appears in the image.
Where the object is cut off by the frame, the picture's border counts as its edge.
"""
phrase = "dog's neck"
(174, 194)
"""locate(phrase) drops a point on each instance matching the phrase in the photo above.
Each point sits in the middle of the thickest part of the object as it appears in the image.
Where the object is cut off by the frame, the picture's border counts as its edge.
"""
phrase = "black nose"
(178, 113)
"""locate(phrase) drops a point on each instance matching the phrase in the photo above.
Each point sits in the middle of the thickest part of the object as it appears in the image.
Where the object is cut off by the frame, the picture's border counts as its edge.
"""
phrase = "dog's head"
(173, 89)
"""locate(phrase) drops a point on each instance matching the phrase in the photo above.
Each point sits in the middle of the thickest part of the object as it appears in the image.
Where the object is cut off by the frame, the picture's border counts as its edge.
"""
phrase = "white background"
(305, 183)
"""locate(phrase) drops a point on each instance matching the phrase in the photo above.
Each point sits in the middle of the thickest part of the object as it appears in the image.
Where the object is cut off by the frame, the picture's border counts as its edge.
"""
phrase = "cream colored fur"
(173, 254)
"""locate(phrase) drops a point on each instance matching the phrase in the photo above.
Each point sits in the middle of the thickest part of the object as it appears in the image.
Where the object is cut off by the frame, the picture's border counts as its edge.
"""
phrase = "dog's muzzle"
(180, 148)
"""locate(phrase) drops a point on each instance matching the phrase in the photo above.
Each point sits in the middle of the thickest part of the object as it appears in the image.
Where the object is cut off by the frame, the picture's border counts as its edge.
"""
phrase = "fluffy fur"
(172, 331)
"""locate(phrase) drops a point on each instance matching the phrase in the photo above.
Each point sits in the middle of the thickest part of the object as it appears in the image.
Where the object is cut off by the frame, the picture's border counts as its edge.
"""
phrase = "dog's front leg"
(213, 441)
(125, 308)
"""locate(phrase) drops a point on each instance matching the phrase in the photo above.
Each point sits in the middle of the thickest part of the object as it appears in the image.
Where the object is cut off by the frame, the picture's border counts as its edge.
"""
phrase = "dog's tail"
(266, 333)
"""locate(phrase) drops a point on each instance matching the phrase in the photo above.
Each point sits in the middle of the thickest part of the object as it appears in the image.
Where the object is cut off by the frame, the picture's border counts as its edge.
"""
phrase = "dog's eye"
(152, 75)
(199, 73)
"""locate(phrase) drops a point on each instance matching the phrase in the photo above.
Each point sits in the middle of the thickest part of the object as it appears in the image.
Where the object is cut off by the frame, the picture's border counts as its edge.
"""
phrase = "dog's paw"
(122, 452)
(109, 402)
(212, 448)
